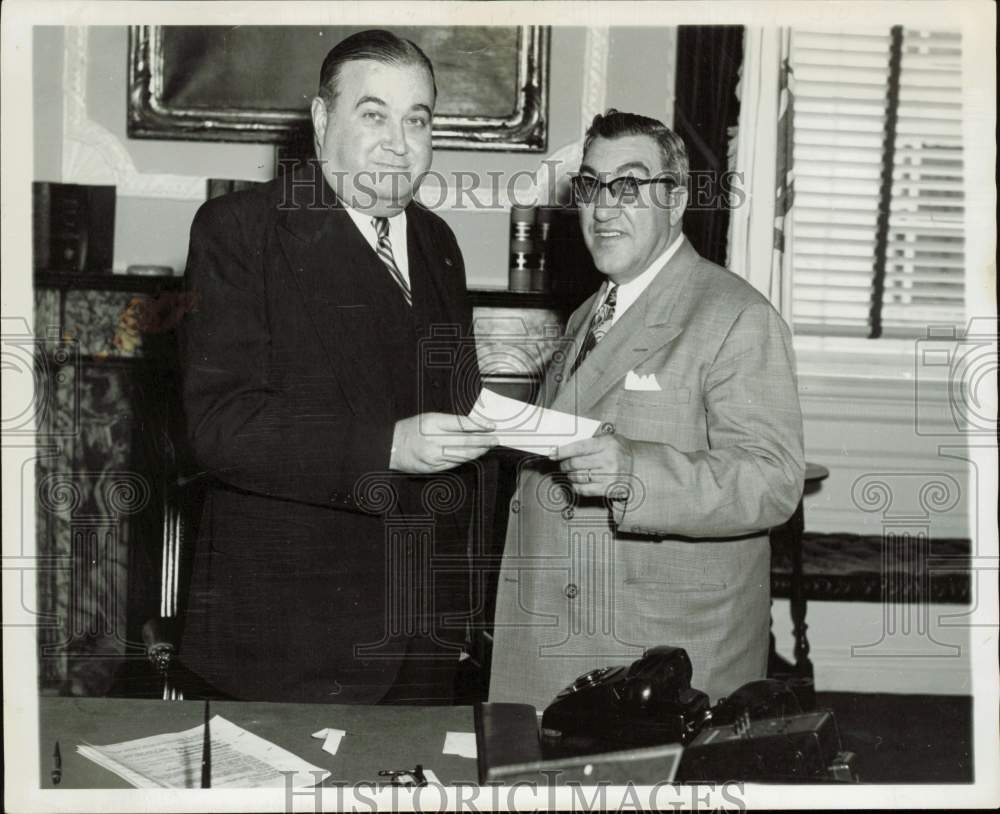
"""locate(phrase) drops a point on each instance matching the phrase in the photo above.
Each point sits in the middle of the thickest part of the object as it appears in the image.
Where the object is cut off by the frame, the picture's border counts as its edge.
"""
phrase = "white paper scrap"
(332, 741)
(331, 738)
(240, 759)
(462, 744)
(431, 778)
(528, 427)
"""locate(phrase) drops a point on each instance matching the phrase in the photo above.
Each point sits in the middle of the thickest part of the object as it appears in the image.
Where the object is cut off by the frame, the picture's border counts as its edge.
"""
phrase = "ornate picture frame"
(175, 101)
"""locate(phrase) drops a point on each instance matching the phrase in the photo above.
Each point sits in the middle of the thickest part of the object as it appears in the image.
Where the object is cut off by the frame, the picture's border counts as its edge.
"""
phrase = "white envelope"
(528, 427)
(637, 381)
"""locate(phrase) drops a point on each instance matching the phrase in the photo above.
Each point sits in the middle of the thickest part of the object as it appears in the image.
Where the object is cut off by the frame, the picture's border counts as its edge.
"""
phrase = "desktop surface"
(378, 737)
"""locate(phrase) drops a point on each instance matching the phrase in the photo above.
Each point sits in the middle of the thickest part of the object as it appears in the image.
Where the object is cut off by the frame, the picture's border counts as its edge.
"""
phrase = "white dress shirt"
(397, 236)
(629, 292)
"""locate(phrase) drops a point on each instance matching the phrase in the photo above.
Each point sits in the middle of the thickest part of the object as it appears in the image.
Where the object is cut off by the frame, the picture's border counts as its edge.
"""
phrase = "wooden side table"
(788, 538)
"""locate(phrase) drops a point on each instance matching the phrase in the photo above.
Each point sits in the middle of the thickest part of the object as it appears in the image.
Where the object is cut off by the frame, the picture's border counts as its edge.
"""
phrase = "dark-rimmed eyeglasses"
(625, 189)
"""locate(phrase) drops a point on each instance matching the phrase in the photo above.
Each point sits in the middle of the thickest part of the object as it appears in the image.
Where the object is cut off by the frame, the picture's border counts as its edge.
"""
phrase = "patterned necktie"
(599, 325)
(384, 252)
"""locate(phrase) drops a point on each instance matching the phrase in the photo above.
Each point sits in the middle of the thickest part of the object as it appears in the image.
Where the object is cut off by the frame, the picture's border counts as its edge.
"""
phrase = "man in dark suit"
(328, 367)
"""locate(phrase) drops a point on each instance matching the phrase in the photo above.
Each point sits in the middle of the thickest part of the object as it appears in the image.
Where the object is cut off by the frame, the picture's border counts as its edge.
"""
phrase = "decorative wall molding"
(670, 59)
(94, 155)
(595, 75)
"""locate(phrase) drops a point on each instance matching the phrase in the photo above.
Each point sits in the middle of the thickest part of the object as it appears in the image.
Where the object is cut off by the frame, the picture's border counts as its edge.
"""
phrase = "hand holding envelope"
(435, 442)
(598, 464)
(598, 467)
(528, 427)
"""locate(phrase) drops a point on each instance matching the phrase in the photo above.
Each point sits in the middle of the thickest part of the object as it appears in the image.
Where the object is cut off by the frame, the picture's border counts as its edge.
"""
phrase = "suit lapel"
(438, 266)
(641, 331)
(557, 379)
(327, 258)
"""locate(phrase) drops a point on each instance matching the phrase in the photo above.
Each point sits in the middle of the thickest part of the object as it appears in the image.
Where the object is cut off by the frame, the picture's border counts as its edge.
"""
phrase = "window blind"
(877, 122)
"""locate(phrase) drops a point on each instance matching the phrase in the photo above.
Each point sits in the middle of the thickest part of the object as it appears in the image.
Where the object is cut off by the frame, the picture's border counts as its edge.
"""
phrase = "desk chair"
(181, 504)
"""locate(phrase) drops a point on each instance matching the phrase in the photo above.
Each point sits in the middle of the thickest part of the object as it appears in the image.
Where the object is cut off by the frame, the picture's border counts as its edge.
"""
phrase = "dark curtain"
(708, 68)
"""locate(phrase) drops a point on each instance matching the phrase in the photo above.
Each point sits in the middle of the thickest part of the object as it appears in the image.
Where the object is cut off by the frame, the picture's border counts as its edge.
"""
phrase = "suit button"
(607, 428)
(515, 505)
(335, 497)
(571, 591)
(568, 513)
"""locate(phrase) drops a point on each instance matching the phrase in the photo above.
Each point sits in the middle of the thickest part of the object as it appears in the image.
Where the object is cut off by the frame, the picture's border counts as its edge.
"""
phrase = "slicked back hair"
(375, 44)
(615, 124)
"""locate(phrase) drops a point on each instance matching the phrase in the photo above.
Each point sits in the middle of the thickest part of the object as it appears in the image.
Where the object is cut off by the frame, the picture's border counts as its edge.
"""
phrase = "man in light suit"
(332, 555)
(655, 531)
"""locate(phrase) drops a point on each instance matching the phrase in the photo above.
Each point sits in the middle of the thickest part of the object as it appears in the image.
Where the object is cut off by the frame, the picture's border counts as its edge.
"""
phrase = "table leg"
(799, 676)
(803, 665)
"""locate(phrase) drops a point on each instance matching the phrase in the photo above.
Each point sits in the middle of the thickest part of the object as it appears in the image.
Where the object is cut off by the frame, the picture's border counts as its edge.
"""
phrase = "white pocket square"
(638, 381)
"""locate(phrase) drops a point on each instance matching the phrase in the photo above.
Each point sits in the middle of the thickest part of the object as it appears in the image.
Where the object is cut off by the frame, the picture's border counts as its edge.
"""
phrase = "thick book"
(73, 227)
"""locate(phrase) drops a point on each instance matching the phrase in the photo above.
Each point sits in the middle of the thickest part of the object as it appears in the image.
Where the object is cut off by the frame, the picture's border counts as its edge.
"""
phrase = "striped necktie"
(384, 252)
(599, 326)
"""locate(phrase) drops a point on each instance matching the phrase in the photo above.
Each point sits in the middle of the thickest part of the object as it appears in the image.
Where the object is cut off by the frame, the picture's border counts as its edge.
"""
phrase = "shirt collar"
(629, 292)
(365, 224)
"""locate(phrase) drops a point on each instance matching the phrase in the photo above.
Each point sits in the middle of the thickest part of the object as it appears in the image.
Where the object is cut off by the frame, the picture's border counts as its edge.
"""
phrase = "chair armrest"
(158, 634)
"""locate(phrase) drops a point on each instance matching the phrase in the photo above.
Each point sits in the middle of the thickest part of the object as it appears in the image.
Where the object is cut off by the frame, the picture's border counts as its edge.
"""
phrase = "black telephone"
(758, 732)
(648, 702)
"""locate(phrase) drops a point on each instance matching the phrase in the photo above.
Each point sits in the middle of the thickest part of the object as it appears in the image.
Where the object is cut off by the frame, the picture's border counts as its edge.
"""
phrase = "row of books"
(530, 233)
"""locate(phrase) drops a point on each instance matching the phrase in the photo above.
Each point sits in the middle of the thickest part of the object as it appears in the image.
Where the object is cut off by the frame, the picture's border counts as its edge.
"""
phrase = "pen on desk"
(56, 765)
(206, 754)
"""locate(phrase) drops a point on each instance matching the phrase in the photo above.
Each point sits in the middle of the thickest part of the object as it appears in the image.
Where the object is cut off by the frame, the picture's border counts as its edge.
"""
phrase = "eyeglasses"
(625, 189)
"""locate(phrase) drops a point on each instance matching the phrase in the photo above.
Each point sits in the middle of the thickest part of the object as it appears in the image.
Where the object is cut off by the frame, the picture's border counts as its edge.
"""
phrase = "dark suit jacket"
(315, 566)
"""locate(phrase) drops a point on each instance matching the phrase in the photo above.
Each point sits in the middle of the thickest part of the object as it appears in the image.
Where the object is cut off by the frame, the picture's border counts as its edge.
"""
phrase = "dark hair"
(375, 44)
(614, 124)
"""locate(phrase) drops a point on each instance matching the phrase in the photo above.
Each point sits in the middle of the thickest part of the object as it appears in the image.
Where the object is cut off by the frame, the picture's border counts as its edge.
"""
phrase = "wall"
(880, 418)
(161, 183)
(862, 414)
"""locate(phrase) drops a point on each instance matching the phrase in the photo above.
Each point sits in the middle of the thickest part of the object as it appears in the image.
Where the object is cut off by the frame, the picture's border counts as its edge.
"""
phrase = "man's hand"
(594, 464)
(434, 442)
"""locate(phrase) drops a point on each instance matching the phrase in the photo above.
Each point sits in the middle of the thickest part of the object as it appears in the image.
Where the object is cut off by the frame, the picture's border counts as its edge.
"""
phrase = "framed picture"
(255, 83)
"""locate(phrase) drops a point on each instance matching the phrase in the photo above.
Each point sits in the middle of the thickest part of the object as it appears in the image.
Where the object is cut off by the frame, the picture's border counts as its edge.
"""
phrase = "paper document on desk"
(240, 760)
(528, 427)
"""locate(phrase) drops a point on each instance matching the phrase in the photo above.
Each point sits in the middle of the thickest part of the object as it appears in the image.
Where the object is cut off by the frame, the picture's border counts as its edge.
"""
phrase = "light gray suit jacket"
(718, 461)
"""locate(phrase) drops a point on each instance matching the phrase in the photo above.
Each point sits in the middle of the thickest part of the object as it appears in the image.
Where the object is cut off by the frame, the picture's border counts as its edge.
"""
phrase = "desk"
(379, 737)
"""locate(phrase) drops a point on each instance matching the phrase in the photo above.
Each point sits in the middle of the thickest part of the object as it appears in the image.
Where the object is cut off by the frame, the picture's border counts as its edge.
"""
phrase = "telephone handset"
(650, 701)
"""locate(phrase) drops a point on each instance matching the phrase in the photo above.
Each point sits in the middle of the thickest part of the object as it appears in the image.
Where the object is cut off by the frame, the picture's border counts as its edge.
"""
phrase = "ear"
(680, 204)
(318, 113)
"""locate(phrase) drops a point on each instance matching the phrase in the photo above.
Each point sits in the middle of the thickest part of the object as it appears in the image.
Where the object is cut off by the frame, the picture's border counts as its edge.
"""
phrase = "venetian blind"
(878, 215)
